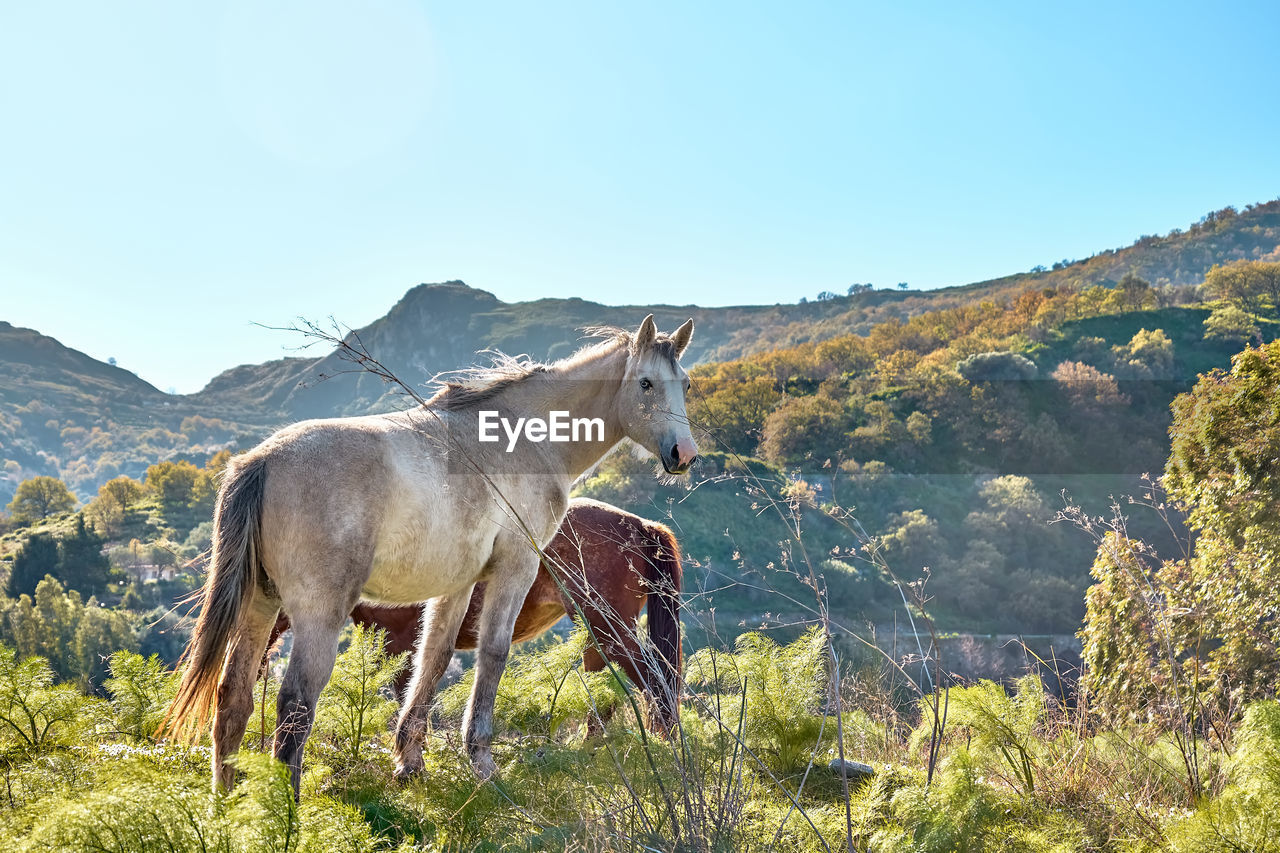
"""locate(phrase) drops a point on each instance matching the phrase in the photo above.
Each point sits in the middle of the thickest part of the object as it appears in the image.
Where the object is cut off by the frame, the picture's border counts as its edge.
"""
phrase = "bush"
(541, 692)
(782, 690)
(1246, 815)
(996, 367)
(354, 705)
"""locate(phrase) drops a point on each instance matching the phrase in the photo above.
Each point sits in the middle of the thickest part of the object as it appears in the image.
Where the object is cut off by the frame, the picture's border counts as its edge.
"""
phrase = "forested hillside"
(955, 435)
(869, 498)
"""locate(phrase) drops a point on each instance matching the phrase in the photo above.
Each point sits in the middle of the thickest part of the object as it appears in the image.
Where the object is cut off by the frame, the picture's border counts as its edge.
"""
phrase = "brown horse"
(604, 563)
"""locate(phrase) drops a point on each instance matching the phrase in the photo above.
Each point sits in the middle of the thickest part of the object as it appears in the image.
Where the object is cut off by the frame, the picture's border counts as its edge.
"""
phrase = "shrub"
(783, 689)
(542, 691)
(996, 367)
(353, 707)
(1246, 815)
(141, 689)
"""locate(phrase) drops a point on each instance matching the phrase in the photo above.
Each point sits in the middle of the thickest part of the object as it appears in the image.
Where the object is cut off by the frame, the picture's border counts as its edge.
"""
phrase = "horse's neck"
(585, 389)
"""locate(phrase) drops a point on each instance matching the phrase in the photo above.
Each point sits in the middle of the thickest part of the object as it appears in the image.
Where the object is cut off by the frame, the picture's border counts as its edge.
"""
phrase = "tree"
(805, 428)
(1245, 283)
(81, 564)
(1221, 472)
(1126, 635)
(76, 559)
(186, 497)
(1087, 387)
(76, 637)
(1135, 293)
(1225, 440)
(172, 482)
(1229, 323)
(203, 492)
(1149, 354)
(40, 497)
(115, 499)
(732, 402)
(37, 557)
(913, 542)
(996, 366)
(125, 491)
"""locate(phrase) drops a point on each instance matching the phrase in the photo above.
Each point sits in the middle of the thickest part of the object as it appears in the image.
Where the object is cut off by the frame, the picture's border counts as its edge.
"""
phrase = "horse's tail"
(235, 566)
(665, 576)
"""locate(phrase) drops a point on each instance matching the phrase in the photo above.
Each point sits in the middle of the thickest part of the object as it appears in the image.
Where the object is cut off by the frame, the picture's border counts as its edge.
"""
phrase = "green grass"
(745, 770)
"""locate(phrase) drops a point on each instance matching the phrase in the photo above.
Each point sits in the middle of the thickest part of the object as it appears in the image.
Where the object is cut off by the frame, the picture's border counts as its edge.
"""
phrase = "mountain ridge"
(66, 414)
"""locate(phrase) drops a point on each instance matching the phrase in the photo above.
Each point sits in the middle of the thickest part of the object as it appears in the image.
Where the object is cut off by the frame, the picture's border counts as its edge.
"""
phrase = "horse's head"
(651, 401)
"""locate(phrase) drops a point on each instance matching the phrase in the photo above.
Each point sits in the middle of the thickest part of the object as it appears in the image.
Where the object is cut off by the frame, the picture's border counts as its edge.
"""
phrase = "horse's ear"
(645, 335)
(681, 337)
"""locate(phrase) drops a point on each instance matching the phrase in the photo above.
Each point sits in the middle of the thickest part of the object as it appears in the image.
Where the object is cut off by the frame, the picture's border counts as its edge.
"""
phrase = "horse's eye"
(646, 384)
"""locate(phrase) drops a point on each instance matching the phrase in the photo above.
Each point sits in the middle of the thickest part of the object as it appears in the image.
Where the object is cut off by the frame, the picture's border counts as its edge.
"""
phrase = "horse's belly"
(421, 562)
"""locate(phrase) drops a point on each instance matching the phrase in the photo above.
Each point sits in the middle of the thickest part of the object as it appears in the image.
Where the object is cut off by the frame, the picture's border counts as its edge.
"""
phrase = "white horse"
(406, 507)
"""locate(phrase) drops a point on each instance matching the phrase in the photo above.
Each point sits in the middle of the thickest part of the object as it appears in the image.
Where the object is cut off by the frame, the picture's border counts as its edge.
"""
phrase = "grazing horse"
(604, 563)
(408, 507)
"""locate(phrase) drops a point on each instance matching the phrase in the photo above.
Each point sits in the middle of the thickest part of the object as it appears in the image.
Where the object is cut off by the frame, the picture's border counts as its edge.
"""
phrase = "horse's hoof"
(407, 770)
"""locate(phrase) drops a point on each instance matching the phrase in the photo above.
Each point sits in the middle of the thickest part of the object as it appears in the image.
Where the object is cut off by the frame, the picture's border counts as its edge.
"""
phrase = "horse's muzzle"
(677, 458)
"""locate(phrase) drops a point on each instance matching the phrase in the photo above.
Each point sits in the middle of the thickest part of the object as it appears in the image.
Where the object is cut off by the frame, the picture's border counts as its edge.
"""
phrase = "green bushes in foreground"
(747, 769)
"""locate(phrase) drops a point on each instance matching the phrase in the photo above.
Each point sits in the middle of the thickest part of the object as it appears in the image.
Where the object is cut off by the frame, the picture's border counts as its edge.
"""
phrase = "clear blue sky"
(172, 173)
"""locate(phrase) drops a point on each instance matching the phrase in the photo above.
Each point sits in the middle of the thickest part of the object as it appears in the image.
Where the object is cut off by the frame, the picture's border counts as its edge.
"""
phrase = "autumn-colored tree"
(115, 499)
(39, 498)
(731, 402)
(1087, 387)
(801, 429)
(1135, 292)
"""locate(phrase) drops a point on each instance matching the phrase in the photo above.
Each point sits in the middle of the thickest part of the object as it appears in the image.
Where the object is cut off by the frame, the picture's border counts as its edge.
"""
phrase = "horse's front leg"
(504, 596)
(441, 619)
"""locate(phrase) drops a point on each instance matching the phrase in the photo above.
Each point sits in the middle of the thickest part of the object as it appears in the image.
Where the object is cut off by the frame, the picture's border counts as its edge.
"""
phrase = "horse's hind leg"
(441, 620)
(235, 688)
(504, 596)
(315, 647)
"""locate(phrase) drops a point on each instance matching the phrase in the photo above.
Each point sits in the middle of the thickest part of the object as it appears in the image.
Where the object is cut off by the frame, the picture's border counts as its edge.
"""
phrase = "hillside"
(438, 327)
(65, 414)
